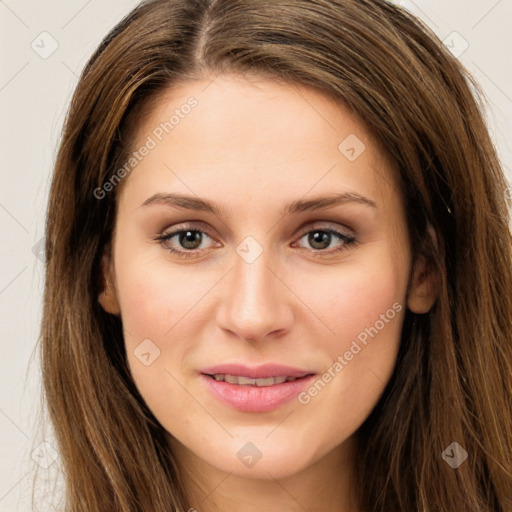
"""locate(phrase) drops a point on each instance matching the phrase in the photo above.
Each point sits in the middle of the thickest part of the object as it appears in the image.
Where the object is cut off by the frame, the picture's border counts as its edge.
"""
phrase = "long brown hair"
(453, 377)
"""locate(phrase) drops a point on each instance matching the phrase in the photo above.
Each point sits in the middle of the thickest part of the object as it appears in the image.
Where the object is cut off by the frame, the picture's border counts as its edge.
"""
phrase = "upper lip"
(256, 372)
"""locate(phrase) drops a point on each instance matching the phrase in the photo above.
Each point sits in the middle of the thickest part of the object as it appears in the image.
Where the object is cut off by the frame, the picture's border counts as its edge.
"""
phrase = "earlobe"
(107, 296)
(424, 282)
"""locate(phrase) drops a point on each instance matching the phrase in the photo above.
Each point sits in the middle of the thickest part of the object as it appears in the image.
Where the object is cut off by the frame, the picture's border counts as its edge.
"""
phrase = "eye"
(321, 238)
(185, 242)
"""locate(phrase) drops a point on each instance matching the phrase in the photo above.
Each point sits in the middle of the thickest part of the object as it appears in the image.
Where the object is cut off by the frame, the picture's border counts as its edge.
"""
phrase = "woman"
(279, 268)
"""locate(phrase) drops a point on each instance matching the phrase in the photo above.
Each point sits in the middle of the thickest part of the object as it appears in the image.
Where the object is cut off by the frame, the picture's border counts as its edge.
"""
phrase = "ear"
(107, 296)
(424, 282)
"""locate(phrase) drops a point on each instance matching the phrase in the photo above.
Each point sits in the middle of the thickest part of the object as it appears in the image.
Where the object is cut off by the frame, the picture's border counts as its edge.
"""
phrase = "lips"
(255, 389)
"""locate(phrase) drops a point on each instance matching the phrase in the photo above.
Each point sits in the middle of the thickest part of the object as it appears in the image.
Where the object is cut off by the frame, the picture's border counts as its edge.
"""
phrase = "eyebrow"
(301, 205)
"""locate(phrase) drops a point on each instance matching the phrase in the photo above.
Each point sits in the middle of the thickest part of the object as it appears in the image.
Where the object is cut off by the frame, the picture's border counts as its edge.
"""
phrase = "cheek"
(356, 299)
(153, 297)
(363, 309)
(156, 304)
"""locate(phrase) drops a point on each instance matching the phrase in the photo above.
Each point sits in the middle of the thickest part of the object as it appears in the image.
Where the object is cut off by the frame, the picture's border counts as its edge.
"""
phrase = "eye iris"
(319, 237)
(189, 238)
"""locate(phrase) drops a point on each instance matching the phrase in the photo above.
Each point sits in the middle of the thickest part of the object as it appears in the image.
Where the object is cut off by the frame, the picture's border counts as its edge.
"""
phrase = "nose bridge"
(254, 303)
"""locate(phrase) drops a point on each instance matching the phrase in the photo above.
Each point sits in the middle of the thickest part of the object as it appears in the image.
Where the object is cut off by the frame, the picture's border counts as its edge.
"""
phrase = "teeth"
(247, 381)
(269, 381)
(231, 379)
(242, 380)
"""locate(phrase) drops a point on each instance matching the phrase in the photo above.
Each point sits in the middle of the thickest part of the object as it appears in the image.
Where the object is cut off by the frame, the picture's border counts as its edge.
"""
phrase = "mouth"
(255, 389)
(241, 380)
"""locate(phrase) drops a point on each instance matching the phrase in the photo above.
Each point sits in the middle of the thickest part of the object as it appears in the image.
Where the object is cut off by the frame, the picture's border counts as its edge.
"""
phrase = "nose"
(256, 303)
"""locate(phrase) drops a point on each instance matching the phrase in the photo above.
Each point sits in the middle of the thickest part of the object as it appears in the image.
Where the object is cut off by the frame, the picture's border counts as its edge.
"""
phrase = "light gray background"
(35, 89)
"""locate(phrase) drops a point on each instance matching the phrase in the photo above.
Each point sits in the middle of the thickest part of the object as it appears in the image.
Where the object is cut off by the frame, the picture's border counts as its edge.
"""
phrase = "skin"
(253, 146)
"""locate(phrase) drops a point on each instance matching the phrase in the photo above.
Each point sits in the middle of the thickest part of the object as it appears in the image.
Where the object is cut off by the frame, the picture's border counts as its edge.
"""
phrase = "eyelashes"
(189, 238)
(186, 237)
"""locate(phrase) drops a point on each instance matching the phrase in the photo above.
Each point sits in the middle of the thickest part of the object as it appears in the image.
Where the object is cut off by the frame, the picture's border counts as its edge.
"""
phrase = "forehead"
(221, 135)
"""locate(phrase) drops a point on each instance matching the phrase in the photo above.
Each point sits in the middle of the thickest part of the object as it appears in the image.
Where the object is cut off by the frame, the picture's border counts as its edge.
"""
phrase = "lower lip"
(250, 398)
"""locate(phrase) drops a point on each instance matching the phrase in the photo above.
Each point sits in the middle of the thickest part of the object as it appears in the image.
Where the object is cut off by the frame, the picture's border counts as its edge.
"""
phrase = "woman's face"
(262, 228)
